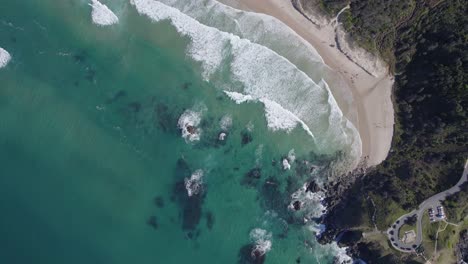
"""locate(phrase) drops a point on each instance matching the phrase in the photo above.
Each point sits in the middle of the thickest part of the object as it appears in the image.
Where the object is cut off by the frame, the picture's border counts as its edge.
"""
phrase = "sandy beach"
(372, 94)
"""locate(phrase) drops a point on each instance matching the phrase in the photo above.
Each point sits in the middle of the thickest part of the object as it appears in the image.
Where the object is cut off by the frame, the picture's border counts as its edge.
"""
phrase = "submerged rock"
(159, 201)
(210, 220)
(297, 205)
(246, 138)
(252, 177)
(153, 222)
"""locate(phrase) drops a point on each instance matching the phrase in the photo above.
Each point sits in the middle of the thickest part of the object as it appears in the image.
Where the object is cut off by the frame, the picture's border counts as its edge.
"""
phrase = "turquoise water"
(93, 162)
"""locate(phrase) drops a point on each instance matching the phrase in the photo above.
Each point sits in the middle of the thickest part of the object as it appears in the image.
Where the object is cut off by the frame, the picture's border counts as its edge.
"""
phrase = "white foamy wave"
(238, 97)
(5, 57)
(207, 45)
(290, 96)
(311, 203)
(226, 122)
(193, 185)
(188, 124)
(340, 255)
(279, 118)
(317, 229)
(102, 15)
(261, 240)
(286, 165)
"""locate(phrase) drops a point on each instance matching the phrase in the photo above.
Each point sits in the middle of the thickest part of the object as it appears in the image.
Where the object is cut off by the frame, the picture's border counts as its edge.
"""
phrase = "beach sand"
(372, 95)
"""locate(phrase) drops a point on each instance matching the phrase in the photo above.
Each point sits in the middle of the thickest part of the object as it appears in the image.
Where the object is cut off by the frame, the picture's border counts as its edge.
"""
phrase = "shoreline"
(371, 95)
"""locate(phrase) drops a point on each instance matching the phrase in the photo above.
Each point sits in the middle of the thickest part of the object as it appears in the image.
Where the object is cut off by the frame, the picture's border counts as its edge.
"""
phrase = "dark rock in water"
(191, 129)
(252, 177)
(246, 138)
(273, 163)
(255, 173)
(159, 201)
(116, 96)
(186, 85)
(153, 222)
(313, 187)
(192, 212)
(297, 205)
(248, 255)
(210, 220)
(79, 57)
(298, 260)
(191, 206)
(135, 106)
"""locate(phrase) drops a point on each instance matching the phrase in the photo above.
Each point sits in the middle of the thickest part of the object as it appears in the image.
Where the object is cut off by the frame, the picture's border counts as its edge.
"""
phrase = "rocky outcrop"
(462, 247)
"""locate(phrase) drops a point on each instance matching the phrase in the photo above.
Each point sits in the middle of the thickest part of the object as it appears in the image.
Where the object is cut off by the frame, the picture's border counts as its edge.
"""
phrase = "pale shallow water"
(110, 136)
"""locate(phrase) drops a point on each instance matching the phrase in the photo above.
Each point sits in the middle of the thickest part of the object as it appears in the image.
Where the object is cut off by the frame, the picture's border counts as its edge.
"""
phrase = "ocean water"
(163, 132)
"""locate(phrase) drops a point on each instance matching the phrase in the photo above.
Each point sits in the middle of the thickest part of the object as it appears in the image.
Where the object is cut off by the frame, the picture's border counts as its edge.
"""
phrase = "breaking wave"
(5, 57)
(233, 51)
(193, 185)
(188, 125)
(102, 15)
(261, 240)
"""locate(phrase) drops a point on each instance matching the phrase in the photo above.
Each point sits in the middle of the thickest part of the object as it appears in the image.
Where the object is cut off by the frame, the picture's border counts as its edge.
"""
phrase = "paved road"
(433, 201)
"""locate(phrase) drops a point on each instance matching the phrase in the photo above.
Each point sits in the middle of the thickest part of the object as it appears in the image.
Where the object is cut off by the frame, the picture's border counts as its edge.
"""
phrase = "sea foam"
(5, 57)
(261, 240)
(102, 15)
(290, 96)
(188, 124)
(193, 185)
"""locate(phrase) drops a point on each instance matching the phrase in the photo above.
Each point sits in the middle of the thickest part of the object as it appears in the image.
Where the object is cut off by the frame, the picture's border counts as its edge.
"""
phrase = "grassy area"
(447, 239)
(429, 231)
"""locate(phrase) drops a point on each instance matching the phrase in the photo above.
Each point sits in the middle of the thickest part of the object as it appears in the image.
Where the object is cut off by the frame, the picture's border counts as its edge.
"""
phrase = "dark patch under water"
(153, 222)
(252, 177)
(191, 207)
(246, 137)
(165, 119)
(210, 220)
(159, 201)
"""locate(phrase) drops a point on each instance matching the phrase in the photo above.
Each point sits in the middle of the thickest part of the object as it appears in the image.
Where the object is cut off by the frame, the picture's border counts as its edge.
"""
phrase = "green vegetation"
(425, 42)
(456, 206)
